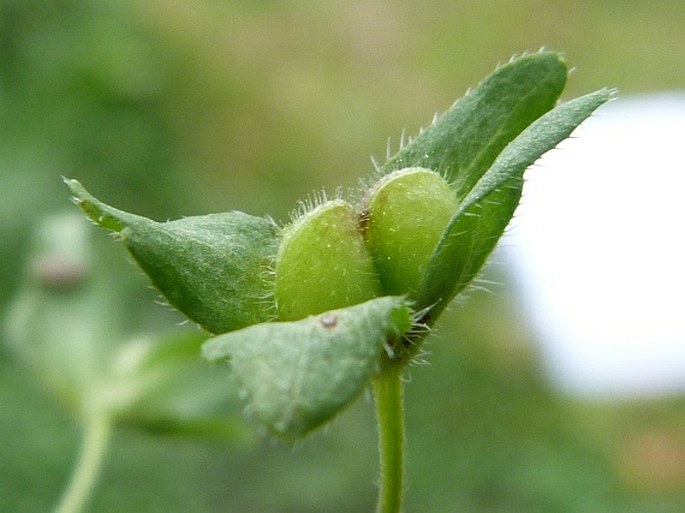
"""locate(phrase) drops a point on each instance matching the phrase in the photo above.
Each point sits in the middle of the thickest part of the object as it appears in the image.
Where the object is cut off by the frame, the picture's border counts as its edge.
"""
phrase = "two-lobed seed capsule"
(334, 257)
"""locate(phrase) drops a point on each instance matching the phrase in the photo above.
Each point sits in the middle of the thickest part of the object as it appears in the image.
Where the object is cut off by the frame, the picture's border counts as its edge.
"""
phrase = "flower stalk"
(388, 391)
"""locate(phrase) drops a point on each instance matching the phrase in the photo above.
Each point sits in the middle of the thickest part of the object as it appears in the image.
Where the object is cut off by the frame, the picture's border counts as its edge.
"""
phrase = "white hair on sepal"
(376, 165)
(477, 285)
(418, 315)
(419, 329)
(512, 59)
(454, 180)
(272, 221)
(267, 300)
(481, 286)
(403, 139)
(313, 200)
(160, 300)
(366, 183)
(389, 351)
(379, 172)
(420, 359)
(403, 142)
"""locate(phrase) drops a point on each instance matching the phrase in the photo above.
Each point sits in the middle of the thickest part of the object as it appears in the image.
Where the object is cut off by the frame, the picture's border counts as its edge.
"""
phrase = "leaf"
(213, 268)
(162, 385)
(485, 212)
(464, 142)
(296, 375)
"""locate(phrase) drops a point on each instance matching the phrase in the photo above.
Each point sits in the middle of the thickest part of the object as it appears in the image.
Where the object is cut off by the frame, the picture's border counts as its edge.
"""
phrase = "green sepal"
(213, 268)
(486, 211)
(463, 143)
(297, 375)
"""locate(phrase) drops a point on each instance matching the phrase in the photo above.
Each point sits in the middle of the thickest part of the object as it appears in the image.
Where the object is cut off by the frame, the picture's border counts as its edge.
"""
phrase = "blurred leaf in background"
(66, 329)
(176, 108)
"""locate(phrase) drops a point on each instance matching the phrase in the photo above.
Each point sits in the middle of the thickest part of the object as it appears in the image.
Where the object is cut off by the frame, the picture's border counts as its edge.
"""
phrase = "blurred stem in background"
(67, 327)
(96, 437)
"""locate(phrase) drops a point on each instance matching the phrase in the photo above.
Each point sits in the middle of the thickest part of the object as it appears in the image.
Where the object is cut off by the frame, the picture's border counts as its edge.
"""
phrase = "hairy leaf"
(213, 268)
(296, 375)
(464, 142)
(485, 212)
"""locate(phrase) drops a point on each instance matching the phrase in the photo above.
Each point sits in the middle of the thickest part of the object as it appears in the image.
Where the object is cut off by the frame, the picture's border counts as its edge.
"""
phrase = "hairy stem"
(388, 392)
(85, 474)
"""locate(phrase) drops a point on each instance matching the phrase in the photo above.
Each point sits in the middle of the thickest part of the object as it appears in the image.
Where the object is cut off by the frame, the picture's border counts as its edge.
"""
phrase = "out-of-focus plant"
(66, 326)
(311, 313)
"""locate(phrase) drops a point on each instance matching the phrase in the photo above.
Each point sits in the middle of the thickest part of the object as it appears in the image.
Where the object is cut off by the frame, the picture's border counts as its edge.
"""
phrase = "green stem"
(388, 392)
(87, 469)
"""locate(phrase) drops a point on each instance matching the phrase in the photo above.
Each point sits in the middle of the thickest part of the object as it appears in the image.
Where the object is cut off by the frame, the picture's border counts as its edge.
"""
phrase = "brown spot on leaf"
(329, 321)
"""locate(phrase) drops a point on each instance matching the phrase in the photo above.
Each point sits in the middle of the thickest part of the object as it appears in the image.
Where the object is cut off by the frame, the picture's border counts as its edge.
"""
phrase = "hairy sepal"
(463, 143)
(486, 211)
(297, 375)
(214, 268)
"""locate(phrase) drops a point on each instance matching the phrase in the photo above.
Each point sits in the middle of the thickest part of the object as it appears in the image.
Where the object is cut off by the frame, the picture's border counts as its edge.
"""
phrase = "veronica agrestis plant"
(309, 314)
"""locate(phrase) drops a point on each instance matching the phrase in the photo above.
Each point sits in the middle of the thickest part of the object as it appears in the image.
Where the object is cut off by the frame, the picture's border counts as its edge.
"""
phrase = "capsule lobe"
(323, 263)
(406, 213)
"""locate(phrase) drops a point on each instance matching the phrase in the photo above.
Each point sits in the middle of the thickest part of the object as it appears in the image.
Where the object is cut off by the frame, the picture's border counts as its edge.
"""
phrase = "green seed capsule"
(323, 263)
(407, 212)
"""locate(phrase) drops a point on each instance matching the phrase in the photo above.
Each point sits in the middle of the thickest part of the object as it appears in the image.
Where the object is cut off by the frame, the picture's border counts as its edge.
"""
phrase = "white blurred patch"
(598, 251)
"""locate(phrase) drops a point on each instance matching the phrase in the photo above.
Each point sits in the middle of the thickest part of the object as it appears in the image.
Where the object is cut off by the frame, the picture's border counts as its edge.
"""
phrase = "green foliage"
(464, 142)
(299, 374)
(65, 326)
(157, 108)
(213, 267)
(486, 209)
(483, 144)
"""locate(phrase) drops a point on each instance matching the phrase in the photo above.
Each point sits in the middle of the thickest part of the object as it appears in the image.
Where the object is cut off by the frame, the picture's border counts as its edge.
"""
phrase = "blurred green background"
(182, 107)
